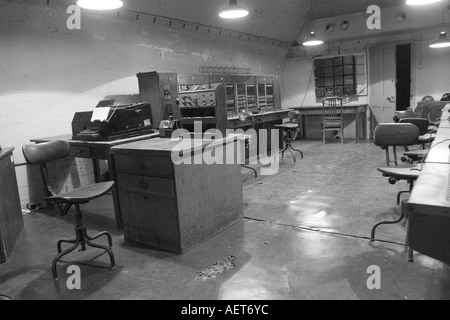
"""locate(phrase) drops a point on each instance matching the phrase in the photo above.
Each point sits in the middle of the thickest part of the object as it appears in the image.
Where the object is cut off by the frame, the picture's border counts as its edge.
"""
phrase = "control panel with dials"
(199, 96)
(205, 104)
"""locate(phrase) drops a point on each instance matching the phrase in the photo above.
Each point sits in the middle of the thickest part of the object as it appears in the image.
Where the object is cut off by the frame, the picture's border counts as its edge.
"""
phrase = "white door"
(382, 81)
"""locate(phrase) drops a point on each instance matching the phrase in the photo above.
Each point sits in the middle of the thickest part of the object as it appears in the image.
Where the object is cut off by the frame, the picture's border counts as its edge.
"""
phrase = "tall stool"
(290, 130)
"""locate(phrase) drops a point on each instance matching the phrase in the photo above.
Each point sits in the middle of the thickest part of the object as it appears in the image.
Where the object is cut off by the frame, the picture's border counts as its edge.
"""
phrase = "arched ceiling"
(275, 19)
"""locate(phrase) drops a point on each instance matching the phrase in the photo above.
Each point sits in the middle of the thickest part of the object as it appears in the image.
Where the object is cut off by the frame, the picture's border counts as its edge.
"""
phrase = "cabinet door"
(150, 220)
(11, 221)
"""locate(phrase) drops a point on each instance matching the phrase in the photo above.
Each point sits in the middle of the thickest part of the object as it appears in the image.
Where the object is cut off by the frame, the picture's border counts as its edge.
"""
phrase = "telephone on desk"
(167, 127)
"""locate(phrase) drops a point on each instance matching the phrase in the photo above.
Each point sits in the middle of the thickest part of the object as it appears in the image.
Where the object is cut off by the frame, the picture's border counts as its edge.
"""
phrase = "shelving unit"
(335, 76)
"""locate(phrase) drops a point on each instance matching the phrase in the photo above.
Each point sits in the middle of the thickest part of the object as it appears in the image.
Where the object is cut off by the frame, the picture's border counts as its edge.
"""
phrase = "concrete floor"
(304, 236)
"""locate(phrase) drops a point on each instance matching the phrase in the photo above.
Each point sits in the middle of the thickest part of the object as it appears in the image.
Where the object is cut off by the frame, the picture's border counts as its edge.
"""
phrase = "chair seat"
(432, 129)
(426, 138)
(402, 173)
(83, 194)
(287, 126)
(417, 153)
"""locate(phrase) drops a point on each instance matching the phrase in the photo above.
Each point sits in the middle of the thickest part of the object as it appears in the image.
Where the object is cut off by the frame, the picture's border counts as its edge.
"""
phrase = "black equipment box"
(111, 121)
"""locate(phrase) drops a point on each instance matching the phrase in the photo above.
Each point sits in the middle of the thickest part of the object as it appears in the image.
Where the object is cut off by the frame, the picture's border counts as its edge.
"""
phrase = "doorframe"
(413, 44)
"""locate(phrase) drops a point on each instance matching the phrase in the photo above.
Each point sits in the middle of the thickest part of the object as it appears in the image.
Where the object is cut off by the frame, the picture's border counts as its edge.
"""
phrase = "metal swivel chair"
(50, 151)
(290, 131)
(408, 113)
(332, 117)
(393, 135)
(426, 137)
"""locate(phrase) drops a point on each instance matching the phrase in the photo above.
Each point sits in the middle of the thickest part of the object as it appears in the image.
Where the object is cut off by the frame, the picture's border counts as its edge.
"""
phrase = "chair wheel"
(392, 180)
(404, 159)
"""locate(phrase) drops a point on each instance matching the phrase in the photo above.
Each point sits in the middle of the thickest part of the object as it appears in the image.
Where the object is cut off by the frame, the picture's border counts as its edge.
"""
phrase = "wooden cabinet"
(11, 221)
(161, 91)
(174, 207)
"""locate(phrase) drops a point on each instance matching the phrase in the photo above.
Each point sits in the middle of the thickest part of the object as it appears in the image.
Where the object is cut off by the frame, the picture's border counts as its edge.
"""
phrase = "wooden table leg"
(115, 194)
(97, 171)
(365, 124)
(357, 124)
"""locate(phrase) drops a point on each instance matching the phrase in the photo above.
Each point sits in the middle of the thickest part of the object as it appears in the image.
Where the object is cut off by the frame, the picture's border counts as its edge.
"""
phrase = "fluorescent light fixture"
(420, 2)
(443, 42)
(100, 4)
(313, 41)
(233, 11)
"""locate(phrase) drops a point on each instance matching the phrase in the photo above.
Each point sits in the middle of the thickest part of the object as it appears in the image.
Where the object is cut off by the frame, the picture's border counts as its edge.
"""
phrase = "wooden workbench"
(354, 109)
(429, 202)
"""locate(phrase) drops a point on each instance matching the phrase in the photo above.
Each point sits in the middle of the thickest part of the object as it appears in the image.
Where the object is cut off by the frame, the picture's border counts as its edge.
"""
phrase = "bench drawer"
(143, 184)
(143, 165)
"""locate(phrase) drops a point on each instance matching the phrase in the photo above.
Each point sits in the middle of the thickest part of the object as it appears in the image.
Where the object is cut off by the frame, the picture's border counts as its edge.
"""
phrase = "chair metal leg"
(399, 195)
(301, 153)
(290, 150)
(108, 250)
(82, 239)
(65, 241)
(254, 170)
(101, 234)
(372, 236)
(282, 151)
(62, 254)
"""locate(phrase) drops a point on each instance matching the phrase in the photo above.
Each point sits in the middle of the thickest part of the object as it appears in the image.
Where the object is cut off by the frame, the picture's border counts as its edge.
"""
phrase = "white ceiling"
(275, 19)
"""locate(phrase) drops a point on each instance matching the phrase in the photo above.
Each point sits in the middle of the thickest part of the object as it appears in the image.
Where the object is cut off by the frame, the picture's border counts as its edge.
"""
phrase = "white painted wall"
(421, 26)
(47, 72)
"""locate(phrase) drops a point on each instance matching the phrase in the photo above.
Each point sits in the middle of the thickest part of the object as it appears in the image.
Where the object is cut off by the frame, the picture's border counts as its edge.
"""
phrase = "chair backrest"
(332, 107)
(46, 152)
(428, 98)
(396, 134)
(294, 116)
(408, 113)
(421, 123)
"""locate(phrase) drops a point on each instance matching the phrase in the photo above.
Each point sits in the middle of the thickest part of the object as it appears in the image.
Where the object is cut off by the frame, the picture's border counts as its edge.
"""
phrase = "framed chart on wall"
(342, 75)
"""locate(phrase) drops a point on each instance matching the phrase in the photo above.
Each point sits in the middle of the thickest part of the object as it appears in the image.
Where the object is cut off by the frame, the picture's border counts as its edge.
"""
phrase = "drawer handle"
(143, 185)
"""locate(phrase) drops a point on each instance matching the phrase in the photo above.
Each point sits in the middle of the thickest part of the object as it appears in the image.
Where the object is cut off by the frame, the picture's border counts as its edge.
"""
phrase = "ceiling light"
(313, 41)
(233, 11)
(443, 42)
(100, 4)
(420, 2)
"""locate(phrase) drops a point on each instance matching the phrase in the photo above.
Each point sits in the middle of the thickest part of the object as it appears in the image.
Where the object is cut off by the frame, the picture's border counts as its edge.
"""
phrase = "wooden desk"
(429, 202)
(96, 150)
(11, 220)
(357, 110)
(261, 118)
(262, 121)
(174, 206)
